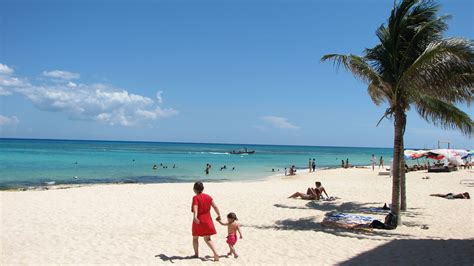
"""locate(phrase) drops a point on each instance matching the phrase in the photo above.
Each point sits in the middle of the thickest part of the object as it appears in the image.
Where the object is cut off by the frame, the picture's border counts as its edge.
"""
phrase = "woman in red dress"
(202, 220)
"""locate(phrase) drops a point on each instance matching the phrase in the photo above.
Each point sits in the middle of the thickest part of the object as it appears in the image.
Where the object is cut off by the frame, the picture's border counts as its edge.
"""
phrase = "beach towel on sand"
(346, 220)
(330, 199)
(375, 210)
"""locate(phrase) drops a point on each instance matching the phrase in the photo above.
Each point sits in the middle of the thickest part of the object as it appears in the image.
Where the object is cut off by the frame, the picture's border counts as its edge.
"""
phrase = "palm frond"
(444, 114)
(444, 69)
(362, 70)
(424, 32)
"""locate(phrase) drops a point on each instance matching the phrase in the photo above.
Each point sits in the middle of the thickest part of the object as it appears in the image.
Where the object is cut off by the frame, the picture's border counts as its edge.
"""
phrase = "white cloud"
(71, 84)
(278, 122)
(4, 92)
(8, 81)
(4, 69)
(97, 102)
(60, 74)
(159, 97)
(5, 120)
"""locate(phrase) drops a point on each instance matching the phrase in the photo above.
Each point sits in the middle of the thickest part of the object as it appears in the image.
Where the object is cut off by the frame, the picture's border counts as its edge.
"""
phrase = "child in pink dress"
(232, 228)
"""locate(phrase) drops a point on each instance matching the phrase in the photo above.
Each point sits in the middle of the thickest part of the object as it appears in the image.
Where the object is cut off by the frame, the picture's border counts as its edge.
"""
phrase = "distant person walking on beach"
(310, 165)
(342, 164)
(202, 220)
(381, 162)
(313, 165)
(374, 161)
(232, 228)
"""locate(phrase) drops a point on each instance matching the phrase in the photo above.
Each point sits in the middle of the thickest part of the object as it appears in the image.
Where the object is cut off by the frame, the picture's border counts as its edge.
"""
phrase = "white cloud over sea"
(8, 120)
(79, 101)
(278, 122)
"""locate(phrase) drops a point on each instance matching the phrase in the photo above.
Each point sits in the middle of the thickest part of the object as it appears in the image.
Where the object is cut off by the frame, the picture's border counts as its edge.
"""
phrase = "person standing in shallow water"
(310, 165)
(373, 160)
(202, 221)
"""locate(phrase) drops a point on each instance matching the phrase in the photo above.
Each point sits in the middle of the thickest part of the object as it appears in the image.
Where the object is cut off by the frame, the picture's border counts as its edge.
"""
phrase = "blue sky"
(199, 71)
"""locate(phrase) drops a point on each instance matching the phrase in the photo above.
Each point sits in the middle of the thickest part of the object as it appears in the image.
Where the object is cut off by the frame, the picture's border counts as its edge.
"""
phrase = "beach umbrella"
(465, 153)
(409, 154)
(453, 156)
(412, 154)
(469, 153)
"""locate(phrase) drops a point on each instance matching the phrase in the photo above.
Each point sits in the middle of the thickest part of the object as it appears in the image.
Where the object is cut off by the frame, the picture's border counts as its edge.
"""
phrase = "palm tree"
(413, 66)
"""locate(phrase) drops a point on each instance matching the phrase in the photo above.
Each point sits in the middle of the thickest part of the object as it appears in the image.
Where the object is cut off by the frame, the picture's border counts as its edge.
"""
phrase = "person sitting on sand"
(464, 195)
(304, 196)
(318, 190)
(311, 193)
(292, 170)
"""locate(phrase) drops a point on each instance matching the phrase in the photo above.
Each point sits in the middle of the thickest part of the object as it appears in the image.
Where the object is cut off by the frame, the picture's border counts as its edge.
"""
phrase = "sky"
(200, 71)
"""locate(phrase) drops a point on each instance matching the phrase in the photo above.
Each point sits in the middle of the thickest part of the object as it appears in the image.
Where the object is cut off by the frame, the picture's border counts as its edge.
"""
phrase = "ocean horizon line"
(192, 142)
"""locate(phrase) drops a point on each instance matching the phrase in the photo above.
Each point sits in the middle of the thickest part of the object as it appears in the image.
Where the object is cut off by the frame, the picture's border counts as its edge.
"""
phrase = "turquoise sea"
(29, 162)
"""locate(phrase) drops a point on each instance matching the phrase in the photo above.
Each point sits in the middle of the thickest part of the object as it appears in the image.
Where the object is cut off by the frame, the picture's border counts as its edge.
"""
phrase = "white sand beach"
(151, 223)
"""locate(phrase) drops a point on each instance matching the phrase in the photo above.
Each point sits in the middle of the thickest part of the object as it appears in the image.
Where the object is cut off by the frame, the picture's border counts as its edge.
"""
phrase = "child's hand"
(196, 220)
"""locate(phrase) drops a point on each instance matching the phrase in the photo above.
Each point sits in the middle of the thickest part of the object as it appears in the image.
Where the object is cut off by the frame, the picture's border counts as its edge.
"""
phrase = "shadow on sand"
(309, 224)
(418, 252)
(351, 207)
(172, 259)
(348, 207)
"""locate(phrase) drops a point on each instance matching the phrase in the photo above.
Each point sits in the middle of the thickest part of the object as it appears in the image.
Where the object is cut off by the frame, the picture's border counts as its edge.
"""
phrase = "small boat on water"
(244, 151)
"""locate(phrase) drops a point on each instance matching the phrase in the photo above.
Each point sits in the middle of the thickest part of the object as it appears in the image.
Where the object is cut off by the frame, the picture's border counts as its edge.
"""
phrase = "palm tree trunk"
(397, 147)
(403, 191)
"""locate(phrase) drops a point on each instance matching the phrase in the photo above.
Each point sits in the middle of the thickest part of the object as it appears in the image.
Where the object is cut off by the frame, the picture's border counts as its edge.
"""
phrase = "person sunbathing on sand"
(318, 190)
(311, 193)
(304, 196)
(464, 195)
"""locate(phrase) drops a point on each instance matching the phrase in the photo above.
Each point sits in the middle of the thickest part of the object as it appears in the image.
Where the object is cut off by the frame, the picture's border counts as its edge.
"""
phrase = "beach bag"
(377, 224)
(391, 221)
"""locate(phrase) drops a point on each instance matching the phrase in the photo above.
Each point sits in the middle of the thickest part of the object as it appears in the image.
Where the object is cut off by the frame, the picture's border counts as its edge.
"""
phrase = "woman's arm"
(195, 214)
(324, 190)
(216, 209)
